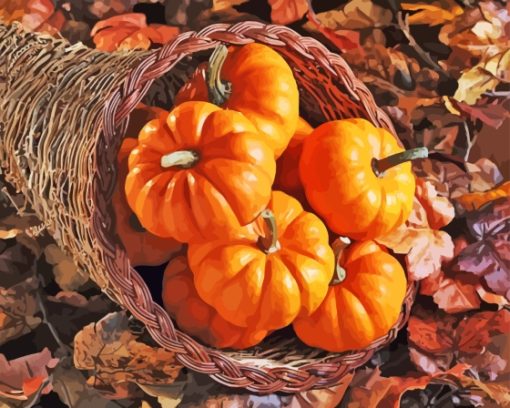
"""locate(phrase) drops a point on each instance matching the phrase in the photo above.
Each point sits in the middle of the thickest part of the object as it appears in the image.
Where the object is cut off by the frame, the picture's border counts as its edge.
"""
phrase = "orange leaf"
(133, 20)
(160, 34)
(440, 210)
(432, 14)
(109, 39)
(32, 385)
(36, 13)
(287, 11)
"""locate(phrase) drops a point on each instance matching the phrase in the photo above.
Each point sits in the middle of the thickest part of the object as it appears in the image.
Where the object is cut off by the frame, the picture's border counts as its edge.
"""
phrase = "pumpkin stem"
(219, 90)
(181, 158)
(381, 165)
(269, 242)
(339, 246)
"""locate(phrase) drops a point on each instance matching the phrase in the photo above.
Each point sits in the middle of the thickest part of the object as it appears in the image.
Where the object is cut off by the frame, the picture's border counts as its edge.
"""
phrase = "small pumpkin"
(252, 79)
(265, 280)
(361, 305)
(202, 172)
(358, 178)
(473, 201)
(196, 317)
(142, 247)
(287, 166)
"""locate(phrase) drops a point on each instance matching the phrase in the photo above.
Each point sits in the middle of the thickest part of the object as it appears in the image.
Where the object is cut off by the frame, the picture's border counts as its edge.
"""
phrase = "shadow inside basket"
(324, 95)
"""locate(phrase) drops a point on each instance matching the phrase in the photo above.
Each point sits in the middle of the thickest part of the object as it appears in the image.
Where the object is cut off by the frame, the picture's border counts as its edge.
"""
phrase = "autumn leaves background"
(440, 70)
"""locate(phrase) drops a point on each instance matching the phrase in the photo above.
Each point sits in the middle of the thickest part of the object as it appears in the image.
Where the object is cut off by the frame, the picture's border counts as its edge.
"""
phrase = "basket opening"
(323, 97)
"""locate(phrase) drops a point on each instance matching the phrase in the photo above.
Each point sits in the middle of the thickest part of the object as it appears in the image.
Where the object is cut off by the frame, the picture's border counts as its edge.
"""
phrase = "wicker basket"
(63, 112)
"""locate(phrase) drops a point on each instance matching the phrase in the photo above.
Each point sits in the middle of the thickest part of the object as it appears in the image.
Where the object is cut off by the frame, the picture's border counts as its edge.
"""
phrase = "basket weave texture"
(64, 110)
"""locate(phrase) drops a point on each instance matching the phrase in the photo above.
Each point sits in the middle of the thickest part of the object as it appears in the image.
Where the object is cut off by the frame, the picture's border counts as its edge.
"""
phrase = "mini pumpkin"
(196, 317)
(287, 166)
(358, 178)
(142, 247)
(265, 280)
(252, 79)
(202, 172)
(361, 305)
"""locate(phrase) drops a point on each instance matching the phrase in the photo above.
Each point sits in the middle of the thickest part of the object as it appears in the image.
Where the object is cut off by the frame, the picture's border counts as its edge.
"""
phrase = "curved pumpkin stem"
(339, 247)
(269, 242)
(381, 165)
(181, 158)
(219, 90)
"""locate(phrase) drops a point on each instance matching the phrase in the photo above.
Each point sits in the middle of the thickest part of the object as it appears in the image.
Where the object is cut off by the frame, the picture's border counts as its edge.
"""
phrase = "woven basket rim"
(125, 284)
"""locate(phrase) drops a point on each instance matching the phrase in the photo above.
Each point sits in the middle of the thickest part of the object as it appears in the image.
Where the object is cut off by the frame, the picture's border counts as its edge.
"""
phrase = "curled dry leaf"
(24, 376)
(117, 356)
(130, 31)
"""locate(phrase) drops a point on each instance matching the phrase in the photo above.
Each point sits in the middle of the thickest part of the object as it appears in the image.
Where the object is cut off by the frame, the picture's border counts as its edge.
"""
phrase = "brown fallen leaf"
(425, 248)
(18, 309)
(287, 11)
(433, 13)
(438, 340)
(130, 31)
(117, 357)
(24, 376)
(375, 390)
(16, 263)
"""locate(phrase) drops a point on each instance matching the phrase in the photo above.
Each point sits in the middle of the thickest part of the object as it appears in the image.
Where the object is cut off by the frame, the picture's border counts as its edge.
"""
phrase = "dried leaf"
(22, 377)
(72, 389)
(130, 31)
(182, 13)
(482, 77)
(439, 209)
(99, 9)
(356, 14)
(474, 333)
(433, 13)
(69, 276)
(18, 307)
(16, 263)
(381, 391)
(492, 111)
(117, 357)
(425, 248)
(287, 11)
(485, 175)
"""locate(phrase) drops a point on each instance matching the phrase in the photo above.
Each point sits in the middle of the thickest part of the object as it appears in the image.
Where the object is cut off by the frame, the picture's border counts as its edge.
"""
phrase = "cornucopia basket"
(64, 110)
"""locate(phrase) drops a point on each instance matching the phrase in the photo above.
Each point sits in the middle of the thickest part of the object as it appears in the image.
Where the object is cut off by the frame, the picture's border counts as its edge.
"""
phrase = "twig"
(42, 307)
(403, 24)
(470, 140)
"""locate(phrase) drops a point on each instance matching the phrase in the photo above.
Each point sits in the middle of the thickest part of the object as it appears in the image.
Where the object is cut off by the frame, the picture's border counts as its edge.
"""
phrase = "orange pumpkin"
(357, 177)
(473, 201)
(201, 173)
(287, 166)
(142, 247)
(264, 281)
(252, 79)
(360, 308)
(196, 317)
